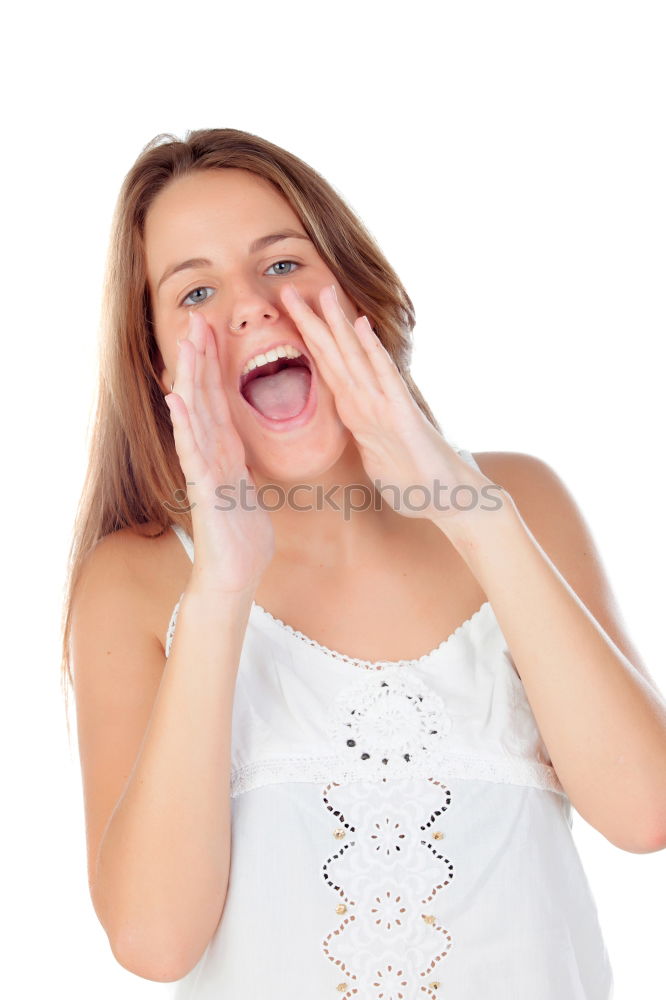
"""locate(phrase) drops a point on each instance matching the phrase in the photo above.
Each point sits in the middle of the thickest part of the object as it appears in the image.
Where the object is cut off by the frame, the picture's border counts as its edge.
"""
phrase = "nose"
(248, 314)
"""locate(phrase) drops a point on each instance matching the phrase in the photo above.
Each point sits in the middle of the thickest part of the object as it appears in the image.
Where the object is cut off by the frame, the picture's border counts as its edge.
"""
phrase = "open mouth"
(280, 389)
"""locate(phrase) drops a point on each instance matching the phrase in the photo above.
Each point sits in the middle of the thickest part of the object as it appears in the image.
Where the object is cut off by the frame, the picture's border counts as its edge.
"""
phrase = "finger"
(229, 448)
(224, 447)
(190, 386)
(198, 334)
(183, 380)
(320, 340)
(191, 460)
(385, 368)
(185, 384)
(217, 396)
(352, 351)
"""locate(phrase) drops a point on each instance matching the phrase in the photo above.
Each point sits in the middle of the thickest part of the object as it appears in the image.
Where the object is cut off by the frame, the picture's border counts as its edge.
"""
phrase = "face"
(217, 214)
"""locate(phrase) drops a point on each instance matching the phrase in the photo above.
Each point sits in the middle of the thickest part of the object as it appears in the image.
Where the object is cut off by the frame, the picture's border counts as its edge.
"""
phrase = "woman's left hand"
(418, 471)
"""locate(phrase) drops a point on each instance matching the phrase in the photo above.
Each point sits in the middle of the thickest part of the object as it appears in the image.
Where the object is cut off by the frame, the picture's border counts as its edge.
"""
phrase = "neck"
(320, 535)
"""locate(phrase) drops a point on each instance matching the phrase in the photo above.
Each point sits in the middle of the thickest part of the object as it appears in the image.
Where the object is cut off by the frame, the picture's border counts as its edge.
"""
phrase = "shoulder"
(141, 567)
(518, 467)
(548, 508)
(119, 559)
(544, 501)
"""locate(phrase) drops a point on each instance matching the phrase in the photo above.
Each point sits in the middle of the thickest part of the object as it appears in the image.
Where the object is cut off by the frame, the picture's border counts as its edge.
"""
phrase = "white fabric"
(395, 825)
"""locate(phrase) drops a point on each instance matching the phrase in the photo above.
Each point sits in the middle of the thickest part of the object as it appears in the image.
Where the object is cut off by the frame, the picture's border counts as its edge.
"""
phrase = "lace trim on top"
(171, 630)
(374, 664)
(333, 653)
(507, 771)
(485, 608)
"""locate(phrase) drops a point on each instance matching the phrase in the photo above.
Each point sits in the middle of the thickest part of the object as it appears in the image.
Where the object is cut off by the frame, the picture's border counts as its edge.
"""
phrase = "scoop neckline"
(445, 644)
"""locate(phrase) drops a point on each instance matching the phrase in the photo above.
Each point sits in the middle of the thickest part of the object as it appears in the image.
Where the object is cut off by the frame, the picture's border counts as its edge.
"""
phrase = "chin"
(300, 462)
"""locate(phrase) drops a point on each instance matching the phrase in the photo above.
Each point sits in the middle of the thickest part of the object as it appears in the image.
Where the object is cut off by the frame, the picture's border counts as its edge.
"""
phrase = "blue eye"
(202, 288)
(285, 262)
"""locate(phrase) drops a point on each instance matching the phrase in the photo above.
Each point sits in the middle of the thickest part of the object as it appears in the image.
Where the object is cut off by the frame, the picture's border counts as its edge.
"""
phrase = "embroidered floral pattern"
(389, 868)
(389, 719)
(387, 875)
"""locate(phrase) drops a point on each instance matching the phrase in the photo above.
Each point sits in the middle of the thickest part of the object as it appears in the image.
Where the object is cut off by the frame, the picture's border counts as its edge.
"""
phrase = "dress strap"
(188, 544)
(468, 457)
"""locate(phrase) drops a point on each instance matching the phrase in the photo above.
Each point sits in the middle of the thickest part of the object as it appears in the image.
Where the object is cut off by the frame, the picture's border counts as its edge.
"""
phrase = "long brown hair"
(132, 460)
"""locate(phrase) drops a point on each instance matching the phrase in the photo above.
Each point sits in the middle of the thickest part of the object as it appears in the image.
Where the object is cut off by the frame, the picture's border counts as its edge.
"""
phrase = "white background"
(509, 157)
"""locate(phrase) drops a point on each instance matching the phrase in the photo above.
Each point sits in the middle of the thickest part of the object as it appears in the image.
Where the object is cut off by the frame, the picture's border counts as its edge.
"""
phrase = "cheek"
(168, 331)
(168, 351)
(348, 306)
(345, 303)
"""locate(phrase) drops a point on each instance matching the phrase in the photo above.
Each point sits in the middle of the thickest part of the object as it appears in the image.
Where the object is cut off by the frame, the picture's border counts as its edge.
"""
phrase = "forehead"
(223, 204)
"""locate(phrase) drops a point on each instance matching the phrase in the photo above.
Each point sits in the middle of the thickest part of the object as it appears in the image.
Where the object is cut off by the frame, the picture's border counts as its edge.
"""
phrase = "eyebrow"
(258, 244)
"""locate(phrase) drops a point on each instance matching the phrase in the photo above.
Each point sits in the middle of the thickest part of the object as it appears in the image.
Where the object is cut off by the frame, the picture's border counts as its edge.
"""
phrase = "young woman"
(338, 683)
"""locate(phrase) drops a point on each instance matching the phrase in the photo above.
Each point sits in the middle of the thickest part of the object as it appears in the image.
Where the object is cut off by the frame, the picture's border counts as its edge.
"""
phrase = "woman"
(353, 775)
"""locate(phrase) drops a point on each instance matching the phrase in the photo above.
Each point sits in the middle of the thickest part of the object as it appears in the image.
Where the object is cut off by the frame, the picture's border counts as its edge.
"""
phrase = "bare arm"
(601, 715)
(159, 876)
(155, 738)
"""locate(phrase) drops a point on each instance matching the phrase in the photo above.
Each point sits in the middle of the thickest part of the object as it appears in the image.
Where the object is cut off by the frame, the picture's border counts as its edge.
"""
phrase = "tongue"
(280, 396)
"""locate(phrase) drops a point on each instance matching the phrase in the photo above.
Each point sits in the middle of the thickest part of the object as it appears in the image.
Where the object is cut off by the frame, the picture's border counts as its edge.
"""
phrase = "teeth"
(283, 351)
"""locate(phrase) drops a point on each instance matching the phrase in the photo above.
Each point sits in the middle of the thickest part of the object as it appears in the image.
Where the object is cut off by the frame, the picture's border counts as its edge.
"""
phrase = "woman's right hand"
(233, 545)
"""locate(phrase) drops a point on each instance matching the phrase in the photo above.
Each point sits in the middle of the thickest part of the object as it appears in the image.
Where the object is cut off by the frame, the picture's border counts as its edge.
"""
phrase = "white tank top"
(397, 831)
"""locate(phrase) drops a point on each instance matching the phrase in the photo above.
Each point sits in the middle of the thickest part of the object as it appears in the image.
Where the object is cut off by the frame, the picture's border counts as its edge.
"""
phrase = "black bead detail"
(351, 743)
(365, 756)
